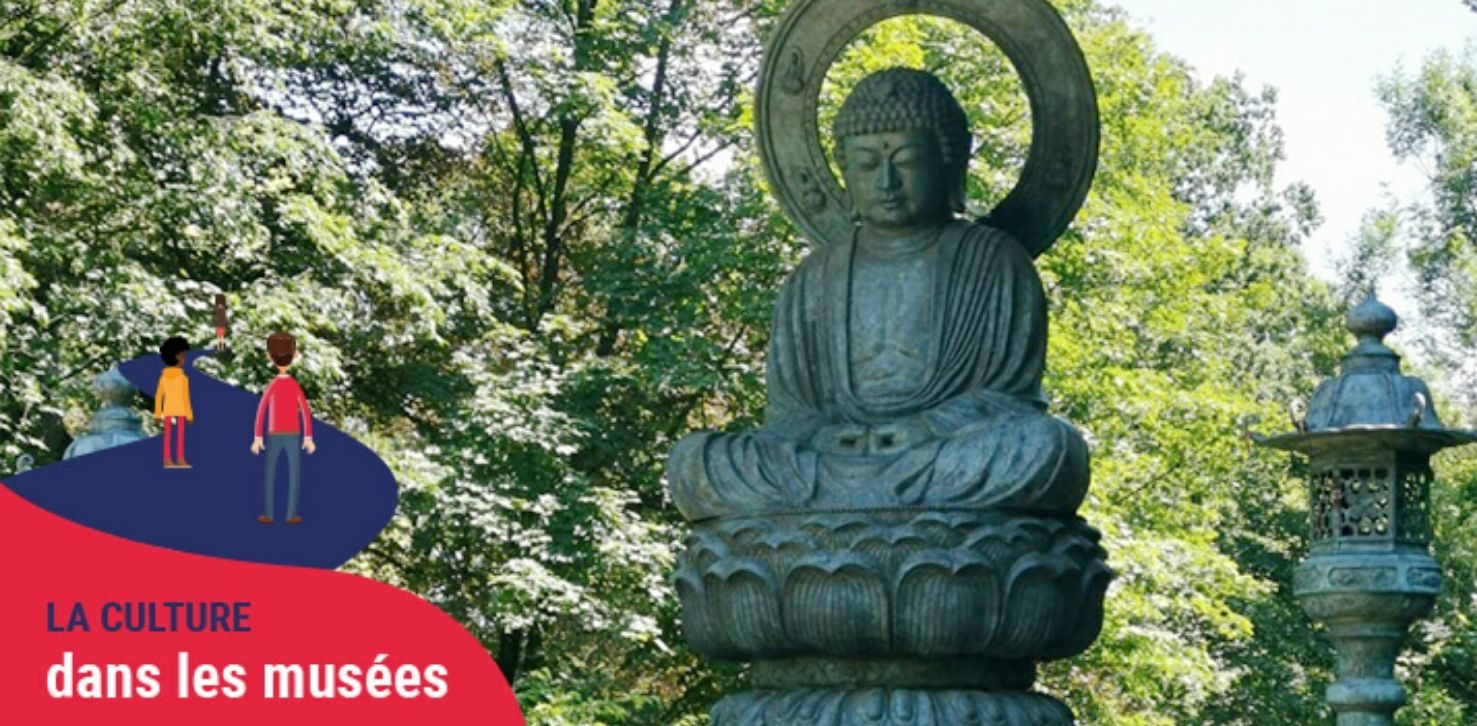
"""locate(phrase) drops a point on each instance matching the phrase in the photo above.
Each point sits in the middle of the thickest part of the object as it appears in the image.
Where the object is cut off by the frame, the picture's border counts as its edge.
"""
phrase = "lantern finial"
(1370, 322)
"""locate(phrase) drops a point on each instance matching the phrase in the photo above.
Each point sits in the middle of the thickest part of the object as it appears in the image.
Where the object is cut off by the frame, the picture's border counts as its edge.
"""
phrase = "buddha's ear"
(958, 191)
(846, 201)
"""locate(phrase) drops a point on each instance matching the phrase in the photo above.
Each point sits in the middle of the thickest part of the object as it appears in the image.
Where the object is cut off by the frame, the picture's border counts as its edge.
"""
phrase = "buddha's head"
(902, 142)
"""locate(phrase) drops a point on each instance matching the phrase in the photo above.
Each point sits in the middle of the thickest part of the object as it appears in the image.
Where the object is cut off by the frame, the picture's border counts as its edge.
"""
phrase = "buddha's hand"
(845, 439)
(898, 436)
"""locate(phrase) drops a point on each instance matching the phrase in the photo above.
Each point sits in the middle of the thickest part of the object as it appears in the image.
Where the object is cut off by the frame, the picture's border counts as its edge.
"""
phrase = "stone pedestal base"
(901, 584)
(889, 707)
(1367, 599)
(892, 617)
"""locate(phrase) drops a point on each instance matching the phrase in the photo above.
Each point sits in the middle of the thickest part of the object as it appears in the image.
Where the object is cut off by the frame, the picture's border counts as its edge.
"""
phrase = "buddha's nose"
(887, 177)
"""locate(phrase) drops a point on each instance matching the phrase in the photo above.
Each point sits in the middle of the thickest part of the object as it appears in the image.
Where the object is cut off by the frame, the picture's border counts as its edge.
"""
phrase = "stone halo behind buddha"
(905, 363)
(1064, 123)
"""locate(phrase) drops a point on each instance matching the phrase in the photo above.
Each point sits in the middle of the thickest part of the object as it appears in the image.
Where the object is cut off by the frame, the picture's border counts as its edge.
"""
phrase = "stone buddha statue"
(905, 363)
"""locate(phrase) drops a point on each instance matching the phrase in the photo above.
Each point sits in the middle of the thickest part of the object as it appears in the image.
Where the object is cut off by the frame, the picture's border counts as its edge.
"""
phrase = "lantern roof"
(1370, 402)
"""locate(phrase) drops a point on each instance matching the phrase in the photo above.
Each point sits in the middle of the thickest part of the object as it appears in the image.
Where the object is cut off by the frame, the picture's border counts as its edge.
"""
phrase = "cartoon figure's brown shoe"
(264, 519)
(183, 465)
(294, 519)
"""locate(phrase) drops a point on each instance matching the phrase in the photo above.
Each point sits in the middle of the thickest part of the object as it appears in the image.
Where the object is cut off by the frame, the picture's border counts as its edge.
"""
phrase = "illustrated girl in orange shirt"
(172, 401)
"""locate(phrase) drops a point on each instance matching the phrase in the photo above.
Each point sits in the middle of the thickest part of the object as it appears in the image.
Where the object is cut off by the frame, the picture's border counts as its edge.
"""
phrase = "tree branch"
(705, 156)
(569, 126)
(520, 126)
(652, 133)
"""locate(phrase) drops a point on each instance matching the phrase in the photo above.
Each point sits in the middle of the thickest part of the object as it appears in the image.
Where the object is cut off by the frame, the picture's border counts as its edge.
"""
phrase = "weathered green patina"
(1369, 435)
(898, 544)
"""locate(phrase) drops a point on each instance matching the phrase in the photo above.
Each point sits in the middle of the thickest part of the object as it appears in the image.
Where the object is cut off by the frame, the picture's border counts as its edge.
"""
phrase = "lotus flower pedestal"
(892, 616)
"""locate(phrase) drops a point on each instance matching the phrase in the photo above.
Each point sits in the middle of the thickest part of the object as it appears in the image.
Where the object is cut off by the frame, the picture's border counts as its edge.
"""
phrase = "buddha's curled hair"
(901, 99)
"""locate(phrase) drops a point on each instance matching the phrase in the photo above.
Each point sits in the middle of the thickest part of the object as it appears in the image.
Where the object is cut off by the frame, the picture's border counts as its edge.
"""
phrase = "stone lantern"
(1369, 435)
(115, 423)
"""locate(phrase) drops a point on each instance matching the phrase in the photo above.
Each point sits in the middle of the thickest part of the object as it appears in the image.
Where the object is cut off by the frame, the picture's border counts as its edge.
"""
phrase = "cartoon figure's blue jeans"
(288, 444)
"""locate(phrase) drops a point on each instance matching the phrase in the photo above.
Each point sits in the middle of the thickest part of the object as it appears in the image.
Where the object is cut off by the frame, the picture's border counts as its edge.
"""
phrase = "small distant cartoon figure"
(222, 323)
(172, 401)
(283, 404)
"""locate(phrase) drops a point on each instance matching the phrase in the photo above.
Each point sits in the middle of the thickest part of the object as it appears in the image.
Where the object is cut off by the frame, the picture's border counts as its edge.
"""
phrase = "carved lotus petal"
(890, 706)
(1019, 534)
(944, 529)
(999, 554)
(837, 604)
(704, 632)
(743, 596)
(1028, 588)
(890, 548)
(705, 548)
(777, 538)
(948, 604)
(1038, 594)
(782, 550)
(861, 707)
(1093, 585)
(744, 531)
(837, 532)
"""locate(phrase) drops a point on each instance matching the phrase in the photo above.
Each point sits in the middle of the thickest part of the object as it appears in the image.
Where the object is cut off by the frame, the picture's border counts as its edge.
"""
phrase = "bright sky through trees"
(1323, 57)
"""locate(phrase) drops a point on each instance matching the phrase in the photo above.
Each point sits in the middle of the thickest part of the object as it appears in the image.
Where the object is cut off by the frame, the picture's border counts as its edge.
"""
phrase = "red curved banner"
(99, 629)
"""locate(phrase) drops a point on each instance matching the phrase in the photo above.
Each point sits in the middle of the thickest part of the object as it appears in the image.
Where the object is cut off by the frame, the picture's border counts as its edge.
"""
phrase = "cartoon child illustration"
(222, 323)
(283, 404)
(172, 401)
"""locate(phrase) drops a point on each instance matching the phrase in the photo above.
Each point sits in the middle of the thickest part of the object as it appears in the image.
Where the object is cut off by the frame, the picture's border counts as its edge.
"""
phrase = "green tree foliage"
(1433, 122)
(527, 246)
(1372, 255)
(501, 232)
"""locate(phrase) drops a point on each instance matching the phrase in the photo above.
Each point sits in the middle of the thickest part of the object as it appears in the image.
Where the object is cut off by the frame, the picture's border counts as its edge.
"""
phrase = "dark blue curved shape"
(347, 493)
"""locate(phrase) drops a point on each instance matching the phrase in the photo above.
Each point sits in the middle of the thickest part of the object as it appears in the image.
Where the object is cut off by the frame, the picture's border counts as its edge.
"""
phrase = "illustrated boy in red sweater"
(283, 406)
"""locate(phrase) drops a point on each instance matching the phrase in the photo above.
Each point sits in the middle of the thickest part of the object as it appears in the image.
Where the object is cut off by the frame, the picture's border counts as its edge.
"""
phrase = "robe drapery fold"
(990, 444)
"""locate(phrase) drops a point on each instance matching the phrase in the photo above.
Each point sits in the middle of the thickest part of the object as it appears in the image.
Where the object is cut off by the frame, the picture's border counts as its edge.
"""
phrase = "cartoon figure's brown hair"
(282, 347)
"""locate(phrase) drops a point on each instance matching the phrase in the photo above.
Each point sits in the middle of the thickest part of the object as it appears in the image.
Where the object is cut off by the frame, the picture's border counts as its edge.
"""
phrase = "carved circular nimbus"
(1064, 119)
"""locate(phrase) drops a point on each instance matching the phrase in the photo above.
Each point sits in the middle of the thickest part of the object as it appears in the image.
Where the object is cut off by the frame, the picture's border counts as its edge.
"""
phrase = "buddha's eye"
(867, 162)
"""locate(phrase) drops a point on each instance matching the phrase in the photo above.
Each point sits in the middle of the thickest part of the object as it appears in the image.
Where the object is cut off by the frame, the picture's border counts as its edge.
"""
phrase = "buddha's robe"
(915, 387)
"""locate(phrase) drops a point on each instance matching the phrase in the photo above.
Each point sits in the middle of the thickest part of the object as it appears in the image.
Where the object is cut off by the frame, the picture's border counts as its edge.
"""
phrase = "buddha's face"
(897, 180)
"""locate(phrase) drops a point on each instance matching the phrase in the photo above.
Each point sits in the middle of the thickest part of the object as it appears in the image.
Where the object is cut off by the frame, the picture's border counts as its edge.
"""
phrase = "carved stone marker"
(898, 544)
